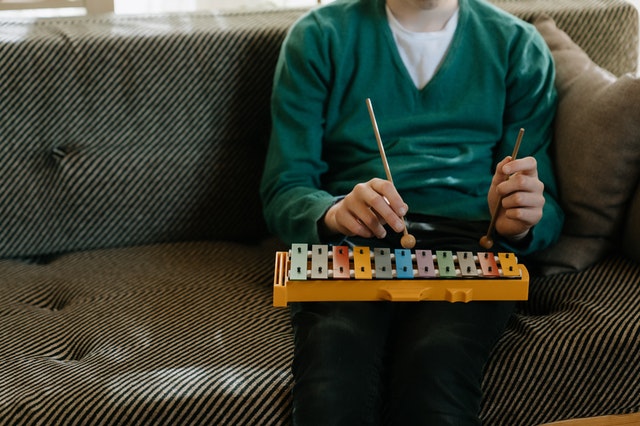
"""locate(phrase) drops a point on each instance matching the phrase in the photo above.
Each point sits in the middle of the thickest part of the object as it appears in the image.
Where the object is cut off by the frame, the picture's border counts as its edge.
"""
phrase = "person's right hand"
(366, 209)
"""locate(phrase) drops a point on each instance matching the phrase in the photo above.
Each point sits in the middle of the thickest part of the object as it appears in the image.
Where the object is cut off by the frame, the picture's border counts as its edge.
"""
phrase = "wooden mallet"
(407, 241)
(487, 240)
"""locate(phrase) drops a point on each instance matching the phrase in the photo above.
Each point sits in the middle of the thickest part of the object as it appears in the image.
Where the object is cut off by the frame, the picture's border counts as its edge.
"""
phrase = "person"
(452, 82)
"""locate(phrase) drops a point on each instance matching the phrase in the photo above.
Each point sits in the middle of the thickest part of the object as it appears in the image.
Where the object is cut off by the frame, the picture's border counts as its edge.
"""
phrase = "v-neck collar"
(399, 63)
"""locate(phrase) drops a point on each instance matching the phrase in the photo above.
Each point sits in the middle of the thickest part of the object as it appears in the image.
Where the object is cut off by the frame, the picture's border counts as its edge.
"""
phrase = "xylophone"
(338, 273)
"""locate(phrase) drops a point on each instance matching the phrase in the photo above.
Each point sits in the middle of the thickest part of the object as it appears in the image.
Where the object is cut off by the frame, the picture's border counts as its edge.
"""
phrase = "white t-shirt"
(422, 52)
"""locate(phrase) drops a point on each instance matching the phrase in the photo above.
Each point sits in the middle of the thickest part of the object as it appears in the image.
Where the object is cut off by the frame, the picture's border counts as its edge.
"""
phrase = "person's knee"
(439, 379)
(337, 371)
(330, 399)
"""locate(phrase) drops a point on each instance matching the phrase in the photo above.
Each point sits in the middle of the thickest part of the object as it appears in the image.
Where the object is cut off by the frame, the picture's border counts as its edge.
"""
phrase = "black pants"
(396, 363)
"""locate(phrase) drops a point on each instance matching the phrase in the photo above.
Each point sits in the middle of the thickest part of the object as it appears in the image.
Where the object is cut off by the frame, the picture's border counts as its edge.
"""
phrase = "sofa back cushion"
(122, 131)
(607, 30)
(131, 130)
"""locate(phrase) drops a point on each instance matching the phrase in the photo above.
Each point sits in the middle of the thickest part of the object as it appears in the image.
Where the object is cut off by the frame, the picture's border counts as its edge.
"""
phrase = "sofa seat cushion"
(164, 334)
(571, 351)
(187, 334)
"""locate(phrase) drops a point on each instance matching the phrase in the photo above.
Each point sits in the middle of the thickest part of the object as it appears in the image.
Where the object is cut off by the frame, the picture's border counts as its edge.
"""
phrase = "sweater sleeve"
(293, 200)
(531, 105)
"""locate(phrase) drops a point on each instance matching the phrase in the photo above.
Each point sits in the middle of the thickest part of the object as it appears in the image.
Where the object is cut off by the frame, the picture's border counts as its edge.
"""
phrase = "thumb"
(499, 175)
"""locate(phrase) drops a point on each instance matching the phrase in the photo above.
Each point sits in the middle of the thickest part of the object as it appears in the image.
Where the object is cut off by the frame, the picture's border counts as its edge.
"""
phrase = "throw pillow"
(596, 151)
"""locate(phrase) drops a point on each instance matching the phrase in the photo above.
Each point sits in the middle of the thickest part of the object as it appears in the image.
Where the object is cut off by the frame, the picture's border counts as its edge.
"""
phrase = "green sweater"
(442, 142)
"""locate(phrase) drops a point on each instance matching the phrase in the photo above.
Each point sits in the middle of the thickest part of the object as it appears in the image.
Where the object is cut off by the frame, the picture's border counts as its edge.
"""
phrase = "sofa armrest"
(631, 234)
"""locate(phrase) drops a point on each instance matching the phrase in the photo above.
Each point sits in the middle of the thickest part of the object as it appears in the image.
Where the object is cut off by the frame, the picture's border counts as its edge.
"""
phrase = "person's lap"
(404, 362)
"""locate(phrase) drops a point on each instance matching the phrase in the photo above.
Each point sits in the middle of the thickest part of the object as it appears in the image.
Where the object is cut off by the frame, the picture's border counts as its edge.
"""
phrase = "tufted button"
(61, 153)
(54, 299)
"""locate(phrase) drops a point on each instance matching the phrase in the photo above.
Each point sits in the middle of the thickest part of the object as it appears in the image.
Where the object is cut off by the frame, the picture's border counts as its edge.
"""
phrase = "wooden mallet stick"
(407, 241)
(487, 240)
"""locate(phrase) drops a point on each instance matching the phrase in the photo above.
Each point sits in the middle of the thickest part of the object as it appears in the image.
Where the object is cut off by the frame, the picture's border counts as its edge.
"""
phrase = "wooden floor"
(622, 420)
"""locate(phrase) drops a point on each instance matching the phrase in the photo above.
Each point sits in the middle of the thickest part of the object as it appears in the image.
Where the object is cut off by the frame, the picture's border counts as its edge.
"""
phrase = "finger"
(524, 217)
(385, 214)
(370, 220)
(521, 211)
(391, 196)
(516, 221)
(521, 183)
(385, 203)
(527, 165)
(348, 223)
(500, 175)
(517, 200)
(357, 217)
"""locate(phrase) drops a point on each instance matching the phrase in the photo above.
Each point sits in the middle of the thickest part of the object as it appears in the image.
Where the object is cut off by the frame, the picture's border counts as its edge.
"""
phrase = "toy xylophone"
(338, 273)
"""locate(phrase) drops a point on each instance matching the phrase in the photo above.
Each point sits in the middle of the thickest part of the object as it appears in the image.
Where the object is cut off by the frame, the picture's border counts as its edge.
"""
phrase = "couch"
(135, 267)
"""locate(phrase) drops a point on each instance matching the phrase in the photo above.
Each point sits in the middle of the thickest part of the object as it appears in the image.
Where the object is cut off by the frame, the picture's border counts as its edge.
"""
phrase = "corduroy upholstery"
(129, 131)
(135, 269)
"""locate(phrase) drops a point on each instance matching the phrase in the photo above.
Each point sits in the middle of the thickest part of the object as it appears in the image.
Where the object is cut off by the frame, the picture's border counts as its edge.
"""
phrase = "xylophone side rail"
(280, 279)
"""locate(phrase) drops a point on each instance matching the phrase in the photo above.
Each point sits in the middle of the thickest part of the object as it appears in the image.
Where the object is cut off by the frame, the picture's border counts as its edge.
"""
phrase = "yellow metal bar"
(362, 263)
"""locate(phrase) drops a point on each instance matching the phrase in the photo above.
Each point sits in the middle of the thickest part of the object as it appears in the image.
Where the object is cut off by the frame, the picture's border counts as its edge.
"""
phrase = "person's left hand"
(522, 197)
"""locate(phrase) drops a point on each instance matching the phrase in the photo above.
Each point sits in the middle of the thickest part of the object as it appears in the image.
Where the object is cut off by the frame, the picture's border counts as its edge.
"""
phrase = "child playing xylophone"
(453, 81)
